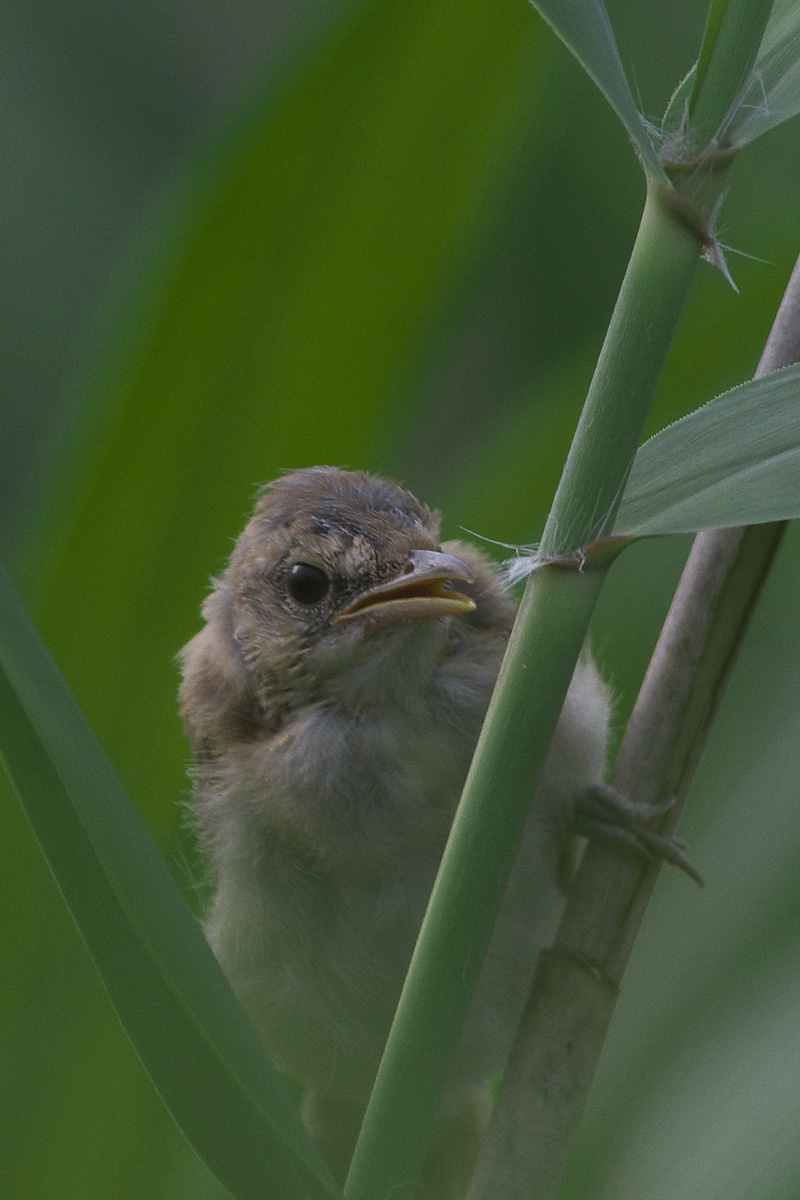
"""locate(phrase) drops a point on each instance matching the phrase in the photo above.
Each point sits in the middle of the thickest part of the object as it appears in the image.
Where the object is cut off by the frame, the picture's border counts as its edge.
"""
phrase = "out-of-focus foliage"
(475, 414)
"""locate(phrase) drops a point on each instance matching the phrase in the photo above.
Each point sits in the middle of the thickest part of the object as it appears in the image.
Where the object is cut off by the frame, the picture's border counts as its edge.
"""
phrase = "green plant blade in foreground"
(736, 461)
(585, 30)
(163, 980)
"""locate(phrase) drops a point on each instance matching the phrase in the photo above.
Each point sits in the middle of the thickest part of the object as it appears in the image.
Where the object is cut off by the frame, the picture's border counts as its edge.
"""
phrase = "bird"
(332, 701)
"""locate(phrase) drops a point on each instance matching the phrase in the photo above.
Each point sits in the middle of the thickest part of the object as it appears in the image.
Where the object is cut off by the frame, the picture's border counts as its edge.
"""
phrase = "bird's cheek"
(337, 648)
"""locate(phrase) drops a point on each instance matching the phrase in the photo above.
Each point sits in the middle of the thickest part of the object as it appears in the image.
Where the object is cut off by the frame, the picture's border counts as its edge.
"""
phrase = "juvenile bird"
(333, 701)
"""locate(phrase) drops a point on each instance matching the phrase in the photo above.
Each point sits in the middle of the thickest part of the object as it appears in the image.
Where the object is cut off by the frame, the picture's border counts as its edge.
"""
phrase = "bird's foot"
(604, 815)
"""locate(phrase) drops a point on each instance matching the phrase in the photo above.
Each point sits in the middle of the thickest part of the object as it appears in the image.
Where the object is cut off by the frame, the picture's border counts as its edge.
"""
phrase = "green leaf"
(585, 29)
(736, 461)
(676, 115)
(772, 95)
(169, 993)
(733, 35)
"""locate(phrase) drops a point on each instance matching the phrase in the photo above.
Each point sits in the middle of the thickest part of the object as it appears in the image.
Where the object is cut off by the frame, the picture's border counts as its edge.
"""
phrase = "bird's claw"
(607, 816)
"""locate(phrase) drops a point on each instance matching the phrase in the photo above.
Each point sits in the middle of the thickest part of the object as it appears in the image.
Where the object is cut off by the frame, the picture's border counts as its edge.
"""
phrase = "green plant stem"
(639, 336)
(733, 34)
(472, 877)
(572, 999)
(541, 657)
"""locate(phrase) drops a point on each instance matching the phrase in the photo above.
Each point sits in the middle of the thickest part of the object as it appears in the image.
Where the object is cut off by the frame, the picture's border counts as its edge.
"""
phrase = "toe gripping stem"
(604, 815)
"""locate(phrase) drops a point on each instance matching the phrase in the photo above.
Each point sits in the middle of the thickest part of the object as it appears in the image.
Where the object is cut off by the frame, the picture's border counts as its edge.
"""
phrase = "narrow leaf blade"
(736, 461)
(585, 29)
(772, 95)
(169, 993)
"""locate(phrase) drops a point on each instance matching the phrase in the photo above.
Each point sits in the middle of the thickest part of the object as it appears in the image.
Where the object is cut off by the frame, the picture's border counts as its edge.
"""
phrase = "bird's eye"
(307, 584)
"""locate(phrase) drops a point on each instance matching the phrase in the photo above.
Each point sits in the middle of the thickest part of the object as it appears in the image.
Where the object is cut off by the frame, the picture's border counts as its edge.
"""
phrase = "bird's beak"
(419, 591)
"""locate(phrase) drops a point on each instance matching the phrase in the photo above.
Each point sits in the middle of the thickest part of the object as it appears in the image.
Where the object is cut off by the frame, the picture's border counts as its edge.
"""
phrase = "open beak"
(419, 591)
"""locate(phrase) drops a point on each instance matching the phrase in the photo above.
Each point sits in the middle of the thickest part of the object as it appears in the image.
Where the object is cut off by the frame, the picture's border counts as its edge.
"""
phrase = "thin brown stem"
(572, 1000)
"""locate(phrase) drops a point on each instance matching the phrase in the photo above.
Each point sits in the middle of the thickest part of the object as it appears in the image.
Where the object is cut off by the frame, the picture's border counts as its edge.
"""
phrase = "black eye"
(307, 584)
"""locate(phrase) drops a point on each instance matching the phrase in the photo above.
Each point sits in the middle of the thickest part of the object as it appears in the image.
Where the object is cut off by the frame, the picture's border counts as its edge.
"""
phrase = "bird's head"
(339, 580)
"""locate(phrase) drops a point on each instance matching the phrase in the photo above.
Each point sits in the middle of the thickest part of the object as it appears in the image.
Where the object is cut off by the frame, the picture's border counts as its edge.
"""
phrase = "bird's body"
(333, 701)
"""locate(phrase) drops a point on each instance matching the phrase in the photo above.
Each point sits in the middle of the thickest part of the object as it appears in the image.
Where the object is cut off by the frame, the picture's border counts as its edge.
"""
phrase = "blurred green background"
(386, 236)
